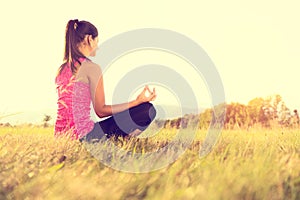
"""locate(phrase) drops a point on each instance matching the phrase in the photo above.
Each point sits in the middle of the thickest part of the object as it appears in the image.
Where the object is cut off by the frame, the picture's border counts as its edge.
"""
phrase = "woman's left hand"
(142, 97)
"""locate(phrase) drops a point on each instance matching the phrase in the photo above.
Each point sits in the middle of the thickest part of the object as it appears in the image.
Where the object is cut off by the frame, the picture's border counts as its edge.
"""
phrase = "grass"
(256, 164)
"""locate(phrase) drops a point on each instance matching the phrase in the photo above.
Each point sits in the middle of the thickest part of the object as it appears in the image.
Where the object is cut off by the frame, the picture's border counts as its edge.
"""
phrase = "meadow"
(253, 164)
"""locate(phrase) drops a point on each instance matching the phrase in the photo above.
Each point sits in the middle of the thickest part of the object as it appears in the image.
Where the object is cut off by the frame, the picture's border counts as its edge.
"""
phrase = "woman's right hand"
(141, 98)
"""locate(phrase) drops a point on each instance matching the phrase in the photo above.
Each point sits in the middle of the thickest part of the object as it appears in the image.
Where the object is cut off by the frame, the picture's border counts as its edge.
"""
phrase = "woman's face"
(94, 46)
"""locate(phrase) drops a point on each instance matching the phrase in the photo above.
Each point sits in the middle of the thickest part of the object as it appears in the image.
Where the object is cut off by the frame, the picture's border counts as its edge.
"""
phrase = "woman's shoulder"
(88, 64)
(63, 74)
(90, 68)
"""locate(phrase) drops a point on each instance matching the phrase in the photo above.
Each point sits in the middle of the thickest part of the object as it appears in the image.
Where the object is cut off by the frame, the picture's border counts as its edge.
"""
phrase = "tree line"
(269, 112)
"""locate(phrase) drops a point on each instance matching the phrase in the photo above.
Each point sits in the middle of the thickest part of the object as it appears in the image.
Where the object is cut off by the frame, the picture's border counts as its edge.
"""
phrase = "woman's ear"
(85, 40)
(89, 39)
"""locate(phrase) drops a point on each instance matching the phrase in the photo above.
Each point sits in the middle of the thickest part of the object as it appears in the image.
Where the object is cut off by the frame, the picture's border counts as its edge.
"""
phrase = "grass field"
(256, 164)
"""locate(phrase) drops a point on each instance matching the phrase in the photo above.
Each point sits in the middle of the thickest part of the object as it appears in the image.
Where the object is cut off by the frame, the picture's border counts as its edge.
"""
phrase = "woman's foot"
(135, 133)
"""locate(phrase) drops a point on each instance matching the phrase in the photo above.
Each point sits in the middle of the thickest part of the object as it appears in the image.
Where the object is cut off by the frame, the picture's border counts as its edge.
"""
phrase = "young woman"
(79, 82)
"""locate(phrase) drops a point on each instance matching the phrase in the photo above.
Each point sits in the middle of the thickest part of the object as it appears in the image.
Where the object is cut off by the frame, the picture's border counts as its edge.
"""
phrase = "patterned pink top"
(74, 100)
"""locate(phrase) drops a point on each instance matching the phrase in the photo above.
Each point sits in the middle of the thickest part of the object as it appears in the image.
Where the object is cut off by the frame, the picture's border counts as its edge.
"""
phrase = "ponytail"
(75, 33)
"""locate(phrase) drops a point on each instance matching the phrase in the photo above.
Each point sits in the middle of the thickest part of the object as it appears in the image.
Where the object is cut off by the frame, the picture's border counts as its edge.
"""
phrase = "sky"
(255, 46)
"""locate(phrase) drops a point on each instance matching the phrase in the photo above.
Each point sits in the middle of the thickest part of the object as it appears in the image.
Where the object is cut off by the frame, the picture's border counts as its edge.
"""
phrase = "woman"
(79, 82)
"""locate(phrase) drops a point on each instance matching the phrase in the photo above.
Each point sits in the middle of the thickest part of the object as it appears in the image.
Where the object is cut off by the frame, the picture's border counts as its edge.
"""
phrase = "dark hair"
(75, 33)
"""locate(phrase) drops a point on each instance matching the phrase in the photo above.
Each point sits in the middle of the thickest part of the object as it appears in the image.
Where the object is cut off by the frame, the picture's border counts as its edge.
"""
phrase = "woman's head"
(80, 42)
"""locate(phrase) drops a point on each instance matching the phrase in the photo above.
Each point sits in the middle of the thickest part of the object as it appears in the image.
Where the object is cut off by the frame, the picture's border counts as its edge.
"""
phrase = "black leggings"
(123, 123)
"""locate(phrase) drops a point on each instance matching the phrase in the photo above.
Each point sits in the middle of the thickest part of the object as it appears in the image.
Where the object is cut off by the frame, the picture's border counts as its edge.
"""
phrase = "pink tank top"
(74, 100)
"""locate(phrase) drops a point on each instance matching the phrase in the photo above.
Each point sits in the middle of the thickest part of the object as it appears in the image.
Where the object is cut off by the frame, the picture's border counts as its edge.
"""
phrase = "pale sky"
(255, 45)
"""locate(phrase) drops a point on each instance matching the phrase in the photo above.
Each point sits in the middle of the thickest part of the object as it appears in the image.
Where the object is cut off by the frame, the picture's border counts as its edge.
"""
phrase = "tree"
(167, 123)
(268, 111)
(236, 115)
(255, 110)
(284, 115)
(46, 119)
(295, 119)
(205, 118)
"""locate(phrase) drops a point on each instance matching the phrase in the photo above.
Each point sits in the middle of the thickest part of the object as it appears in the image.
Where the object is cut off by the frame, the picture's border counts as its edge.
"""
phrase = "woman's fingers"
(148, 89)
(152, 98)
(144, 91)
(154, 92)
(152, 95)
(146, 98)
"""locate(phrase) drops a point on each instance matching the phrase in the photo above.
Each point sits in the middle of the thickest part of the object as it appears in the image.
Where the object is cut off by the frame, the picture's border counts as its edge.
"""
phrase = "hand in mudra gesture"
(142, 97)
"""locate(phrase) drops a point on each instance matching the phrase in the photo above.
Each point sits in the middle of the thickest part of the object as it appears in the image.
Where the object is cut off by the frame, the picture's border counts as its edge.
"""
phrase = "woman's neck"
(84, 50)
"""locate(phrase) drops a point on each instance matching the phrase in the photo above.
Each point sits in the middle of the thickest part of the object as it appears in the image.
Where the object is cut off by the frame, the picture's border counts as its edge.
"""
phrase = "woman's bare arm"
(98, 96)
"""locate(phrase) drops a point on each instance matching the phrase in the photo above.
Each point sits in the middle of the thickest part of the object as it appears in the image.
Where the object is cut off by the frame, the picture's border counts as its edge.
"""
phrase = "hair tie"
(75, 24)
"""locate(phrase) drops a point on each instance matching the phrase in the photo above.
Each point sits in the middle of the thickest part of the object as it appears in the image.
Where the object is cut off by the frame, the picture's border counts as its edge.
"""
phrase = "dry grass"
(243, 165)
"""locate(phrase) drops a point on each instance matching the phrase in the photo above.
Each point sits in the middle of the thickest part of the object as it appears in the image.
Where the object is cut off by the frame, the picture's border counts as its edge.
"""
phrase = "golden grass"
(262, 164)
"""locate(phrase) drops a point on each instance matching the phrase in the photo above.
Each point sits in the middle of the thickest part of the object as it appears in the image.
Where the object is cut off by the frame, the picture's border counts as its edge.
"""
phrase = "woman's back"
(74, 99)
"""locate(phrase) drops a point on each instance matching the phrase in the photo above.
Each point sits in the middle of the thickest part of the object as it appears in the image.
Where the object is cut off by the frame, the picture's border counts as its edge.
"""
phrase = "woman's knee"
(152, 112)
(143, 113)
(149, 109)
